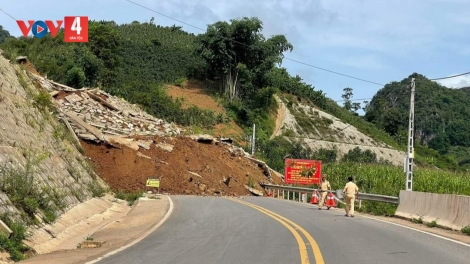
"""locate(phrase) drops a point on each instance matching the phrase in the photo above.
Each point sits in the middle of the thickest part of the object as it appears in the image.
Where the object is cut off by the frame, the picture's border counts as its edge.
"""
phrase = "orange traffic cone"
(314, 199)
(330, 200)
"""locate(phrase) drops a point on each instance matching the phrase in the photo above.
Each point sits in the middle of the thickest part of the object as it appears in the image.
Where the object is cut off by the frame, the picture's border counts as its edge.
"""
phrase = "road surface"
(266, 230)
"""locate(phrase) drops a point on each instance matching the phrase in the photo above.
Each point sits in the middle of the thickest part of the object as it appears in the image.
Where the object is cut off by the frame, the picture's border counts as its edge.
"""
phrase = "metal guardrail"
(362, 196)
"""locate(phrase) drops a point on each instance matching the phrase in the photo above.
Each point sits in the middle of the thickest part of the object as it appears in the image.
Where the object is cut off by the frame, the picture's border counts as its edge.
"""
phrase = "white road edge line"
(417, 230)
(384, 221)
(138, 239)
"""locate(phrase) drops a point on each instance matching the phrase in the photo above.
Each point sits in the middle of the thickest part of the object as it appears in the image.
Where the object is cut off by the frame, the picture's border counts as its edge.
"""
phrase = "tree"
(4, 34)
(366, 105)
(347, 95)
(355, 107)
(105, 45)
(239, 46)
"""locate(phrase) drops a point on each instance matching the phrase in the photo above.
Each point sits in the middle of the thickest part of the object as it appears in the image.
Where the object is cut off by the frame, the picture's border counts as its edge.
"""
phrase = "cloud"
(456, 82)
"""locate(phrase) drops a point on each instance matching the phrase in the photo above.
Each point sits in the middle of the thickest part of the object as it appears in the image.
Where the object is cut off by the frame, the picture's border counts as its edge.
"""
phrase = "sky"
(375, 40)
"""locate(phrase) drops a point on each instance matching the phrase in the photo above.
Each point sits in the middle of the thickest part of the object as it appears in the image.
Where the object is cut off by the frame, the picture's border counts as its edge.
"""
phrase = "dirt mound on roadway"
(185, 165)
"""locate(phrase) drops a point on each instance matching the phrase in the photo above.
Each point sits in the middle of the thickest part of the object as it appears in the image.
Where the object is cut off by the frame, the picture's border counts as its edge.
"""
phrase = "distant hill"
(441, 115)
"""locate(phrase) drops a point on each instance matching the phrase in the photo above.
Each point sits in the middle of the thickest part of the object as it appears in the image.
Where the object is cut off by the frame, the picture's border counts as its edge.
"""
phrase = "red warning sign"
(300, 171)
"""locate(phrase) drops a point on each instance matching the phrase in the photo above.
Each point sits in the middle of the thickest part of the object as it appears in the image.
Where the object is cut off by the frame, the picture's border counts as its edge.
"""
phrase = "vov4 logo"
(75, 28)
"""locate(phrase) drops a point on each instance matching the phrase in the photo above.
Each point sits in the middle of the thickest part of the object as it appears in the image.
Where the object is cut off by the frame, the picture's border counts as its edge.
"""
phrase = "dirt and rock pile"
(184, 165)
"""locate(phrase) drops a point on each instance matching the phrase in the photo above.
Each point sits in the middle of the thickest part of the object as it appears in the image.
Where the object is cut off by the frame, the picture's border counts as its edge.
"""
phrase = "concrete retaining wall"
(448, 210)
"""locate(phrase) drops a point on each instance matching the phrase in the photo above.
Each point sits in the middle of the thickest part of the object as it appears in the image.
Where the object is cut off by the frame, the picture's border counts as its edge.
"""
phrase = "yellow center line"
(302, 247)
(315, 248)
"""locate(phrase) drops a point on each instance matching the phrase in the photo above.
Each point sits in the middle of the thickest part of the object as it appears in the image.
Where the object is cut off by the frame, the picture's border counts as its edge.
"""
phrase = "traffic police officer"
(324, 187)
(350, 192)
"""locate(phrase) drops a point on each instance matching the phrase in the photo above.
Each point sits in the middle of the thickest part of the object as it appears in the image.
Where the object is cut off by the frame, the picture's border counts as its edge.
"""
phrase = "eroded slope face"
(319, 129)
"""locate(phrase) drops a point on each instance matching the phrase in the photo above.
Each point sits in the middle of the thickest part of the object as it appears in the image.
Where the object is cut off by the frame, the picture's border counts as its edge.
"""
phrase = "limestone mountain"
(441, 115)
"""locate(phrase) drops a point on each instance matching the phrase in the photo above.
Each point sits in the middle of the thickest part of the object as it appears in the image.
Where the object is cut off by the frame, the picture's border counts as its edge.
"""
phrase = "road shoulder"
(450, 234)
(145, 215)
(445, 233)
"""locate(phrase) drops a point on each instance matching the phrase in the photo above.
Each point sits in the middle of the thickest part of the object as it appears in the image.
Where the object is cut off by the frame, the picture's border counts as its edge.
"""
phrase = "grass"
(130, 197)
(96, 189)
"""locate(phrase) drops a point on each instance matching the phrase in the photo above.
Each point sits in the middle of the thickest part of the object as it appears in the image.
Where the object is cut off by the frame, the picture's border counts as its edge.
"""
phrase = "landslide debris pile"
(127, 146)
(94, 115)
(193, 165)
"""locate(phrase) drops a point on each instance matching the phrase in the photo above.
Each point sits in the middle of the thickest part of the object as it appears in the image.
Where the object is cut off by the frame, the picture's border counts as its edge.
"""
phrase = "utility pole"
(410, 148)
(253, 142)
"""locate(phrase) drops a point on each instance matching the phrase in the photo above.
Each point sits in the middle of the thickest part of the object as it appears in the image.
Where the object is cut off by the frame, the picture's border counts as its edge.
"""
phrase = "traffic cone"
(330, 200)
(314, 199)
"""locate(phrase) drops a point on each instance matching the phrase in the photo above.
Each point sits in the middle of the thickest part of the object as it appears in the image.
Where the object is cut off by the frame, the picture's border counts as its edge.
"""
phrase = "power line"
(7, 14)
(306, 64)
(333, 71)
(360, 99)
(448, 77)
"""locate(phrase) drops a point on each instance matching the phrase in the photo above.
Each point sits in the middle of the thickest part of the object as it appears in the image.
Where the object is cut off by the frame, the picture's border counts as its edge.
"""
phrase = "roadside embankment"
(447, 210)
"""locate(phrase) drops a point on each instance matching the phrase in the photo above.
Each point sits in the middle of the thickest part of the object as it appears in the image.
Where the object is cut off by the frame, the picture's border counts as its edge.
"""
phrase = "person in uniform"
(324, 187)
(350, 192)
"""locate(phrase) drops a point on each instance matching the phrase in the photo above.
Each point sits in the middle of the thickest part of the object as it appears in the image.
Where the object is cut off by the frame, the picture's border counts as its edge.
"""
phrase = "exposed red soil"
(124, 170)
(194, 95)
(30, 67)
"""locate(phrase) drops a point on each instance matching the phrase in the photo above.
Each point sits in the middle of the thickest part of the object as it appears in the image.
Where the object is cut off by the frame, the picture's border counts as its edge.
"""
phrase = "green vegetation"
(389, 180)
(31, 200)
(132, 61)
(130, 197)
(440, 119)
(466, 230)
(14, 244)
(432, 224)
(279, 77)
(18, 184)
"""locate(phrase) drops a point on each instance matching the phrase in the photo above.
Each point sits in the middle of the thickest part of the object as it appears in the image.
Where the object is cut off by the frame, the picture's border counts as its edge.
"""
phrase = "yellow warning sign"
(153, 183)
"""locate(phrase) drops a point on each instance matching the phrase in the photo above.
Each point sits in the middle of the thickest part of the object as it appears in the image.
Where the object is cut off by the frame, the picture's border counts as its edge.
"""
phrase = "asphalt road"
(220, 230)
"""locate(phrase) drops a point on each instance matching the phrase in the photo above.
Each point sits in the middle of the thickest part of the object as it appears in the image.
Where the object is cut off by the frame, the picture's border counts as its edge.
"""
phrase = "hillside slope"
(127, 145)
(318, 129)
(36, 148)
(298, 121)
(441, 115)
(42, 172)
(194, 95)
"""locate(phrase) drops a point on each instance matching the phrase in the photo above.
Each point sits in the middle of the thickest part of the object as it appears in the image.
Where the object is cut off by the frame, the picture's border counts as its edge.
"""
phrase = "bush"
(359, 156)
(466, 230)
(181, 82)
(14, 245)
(75, 77)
